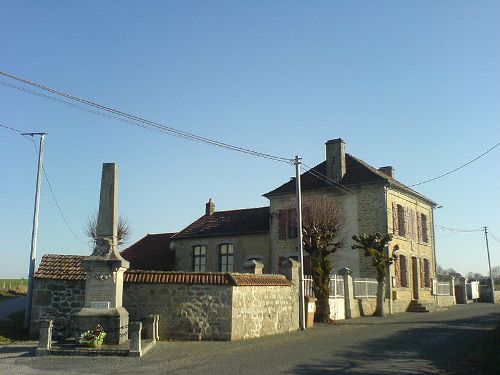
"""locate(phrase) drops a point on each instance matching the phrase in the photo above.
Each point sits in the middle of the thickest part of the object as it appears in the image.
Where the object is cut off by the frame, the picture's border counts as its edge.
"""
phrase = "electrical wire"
(494, 237)
(48, 183)
(458, 168)
(167, 129)
(326, 179)
(458, 230)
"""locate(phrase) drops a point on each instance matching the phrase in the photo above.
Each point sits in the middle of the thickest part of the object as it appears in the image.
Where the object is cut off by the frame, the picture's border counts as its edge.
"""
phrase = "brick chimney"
(389, 171)
(335, 159)
(209, 207)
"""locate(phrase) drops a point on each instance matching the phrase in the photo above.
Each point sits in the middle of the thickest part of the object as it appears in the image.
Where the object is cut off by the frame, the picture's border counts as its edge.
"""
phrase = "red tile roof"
(151, 252)
(68, 267)
(244, 221)
(357, 172)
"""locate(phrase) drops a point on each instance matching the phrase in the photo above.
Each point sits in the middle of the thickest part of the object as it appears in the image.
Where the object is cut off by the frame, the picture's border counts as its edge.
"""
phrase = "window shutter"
(395, 226)
(422, 273)
(413, 226)
(282, 225)
(419, 228)
(406, 273)
(406, 224)
(397, 271)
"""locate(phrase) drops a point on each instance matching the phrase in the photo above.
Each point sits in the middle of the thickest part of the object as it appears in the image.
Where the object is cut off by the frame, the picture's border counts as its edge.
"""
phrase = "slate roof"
(243, 221)
(68, 267)
(358, 172)
(151, 252)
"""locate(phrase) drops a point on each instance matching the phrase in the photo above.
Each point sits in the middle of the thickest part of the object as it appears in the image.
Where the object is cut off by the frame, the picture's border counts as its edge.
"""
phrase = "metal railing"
(336, 286)
(442, 288)
(365, 287)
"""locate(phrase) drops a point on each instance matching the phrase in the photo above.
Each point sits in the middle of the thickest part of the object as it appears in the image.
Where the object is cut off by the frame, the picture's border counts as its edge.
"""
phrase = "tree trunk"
(380, 298)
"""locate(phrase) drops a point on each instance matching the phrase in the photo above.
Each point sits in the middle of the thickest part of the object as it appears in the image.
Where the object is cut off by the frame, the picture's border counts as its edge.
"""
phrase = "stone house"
(372, 201)
(222, 241)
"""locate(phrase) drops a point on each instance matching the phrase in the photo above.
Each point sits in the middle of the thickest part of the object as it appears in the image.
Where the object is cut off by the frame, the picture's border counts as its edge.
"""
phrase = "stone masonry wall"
(262, 311)
(59, 300)
(191, 312)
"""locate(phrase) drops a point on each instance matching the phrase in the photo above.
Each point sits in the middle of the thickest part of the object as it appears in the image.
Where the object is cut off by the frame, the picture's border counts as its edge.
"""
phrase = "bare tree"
(124, 229)
(322, 235)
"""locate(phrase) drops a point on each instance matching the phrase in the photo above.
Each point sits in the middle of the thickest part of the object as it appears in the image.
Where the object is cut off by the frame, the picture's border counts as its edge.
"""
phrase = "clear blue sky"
(414, 84)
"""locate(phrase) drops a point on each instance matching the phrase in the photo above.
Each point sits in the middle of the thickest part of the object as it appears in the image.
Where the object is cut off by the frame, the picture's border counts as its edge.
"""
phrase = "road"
(11, 306)
(410, 343)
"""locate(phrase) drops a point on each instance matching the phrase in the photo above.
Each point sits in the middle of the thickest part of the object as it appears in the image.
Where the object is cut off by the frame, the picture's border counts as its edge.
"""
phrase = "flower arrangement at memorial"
(93, 337)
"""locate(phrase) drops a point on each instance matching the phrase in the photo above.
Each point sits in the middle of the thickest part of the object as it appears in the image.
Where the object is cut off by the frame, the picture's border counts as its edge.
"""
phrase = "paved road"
(409, 343)
(11, 306)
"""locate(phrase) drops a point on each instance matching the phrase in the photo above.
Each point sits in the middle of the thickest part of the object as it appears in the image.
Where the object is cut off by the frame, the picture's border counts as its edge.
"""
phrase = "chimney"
(335, 159)
(209, 207)
(389, 171)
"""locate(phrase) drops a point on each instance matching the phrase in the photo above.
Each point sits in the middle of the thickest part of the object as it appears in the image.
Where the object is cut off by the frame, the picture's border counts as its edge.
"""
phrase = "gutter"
(388, 248)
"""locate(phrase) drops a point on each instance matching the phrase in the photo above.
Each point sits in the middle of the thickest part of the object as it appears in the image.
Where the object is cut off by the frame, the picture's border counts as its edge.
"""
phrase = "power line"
(167, 129)
(55, 199)
(494, 237)
(326, 179)
(48, 183)
(458, 168)
(457, 230)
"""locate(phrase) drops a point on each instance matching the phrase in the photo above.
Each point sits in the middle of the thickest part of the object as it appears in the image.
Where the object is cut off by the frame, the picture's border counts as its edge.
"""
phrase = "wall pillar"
(452, 286)
(45, 338)
(348, 293)
(252, 266)
(135, 329)
(290, 268)
(461, 296)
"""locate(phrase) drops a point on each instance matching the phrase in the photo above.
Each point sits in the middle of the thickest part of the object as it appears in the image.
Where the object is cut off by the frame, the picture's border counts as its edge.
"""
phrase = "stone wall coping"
(68, 267)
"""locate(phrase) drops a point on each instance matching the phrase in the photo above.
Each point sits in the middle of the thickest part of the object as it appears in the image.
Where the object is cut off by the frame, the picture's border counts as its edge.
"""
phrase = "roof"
(68, 267)
(151, 252)
(358, 172)
(243, 221)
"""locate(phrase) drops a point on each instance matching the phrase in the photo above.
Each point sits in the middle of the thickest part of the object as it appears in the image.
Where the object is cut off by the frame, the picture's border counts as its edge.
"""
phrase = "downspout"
(388, 247)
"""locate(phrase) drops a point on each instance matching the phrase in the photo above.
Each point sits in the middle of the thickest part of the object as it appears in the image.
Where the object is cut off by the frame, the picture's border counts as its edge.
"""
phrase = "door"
(414, 272)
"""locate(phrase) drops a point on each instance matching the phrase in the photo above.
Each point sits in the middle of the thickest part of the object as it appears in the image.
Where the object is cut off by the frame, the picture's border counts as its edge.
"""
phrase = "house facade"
(372, 200)
(223, 241)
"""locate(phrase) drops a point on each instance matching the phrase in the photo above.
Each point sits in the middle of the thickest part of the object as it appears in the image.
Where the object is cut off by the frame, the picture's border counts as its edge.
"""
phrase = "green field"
(14, 284)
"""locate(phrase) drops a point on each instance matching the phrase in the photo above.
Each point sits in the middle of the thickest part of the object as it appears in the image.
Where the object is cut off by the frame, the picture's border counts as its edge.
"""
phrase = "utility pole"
(34, 233)
(299, 243)
(489, 265)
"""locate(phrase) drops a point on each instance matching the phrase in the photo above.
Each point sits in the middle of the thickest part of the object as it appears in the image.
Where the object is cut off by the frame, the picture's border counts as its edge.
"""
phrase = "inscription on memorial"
(99, 304)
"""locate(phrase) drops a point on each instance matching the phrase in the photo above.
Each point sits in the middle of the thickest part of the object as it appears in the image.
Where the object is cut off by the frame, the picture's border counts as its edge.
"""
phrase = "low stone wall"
(445, 301)
(262, 311)
(58, 300)
(191, 312)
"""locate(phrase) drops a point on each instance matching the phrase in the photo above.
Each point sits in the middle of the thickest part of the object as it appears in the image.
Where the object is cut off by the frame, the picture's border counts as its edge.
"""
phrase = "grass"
(13, 284)
(9, 294)
(12, 328)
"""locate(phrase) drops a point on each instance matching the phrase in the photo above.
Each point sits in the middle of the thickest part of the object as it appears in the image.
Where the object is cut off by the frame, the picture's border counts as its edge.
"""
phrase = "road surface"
(408, 343)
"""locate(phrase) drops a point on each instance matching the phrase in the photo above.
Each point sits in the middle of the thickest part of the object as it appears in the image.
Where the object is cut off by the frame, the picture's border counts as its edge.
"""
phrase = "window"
(403, 271)
(199, 258)
(401, 221)
(425, 281)
(287, 224)
(226, 257)
(424, 235)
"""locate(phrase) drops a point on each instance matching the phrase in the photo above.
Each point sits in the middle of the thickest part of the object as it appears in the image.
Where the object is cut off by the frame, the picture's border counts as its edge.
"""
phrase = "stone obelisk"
(105, 268)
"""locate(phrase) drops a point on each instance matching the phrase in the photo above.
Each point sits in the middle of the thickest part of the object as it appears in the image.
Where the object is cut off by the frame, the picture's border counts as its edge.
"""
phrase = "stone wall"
(262, 311)
(190, 312)
(59, 300)
(187, 311)
(445, 301)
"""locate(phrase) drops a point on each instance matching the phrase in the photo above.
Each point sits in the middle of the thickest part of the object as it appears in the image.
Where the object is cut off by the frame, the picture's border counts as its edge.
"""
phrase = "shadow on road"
(17, 351)
(436, 347)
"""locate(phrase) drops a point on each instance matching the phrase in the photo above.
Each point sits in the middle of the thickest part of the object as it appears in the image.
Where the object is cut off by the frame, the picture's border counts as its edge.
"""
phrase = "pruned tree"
(123, 234)
(375, 246)
(322, 235)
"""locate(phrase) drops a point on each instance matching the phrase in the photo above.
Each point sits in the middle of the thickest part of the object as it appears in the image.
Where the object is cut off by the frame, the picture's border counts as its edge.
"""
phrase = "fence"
(365, 287)
(336, 286)
(443, 288)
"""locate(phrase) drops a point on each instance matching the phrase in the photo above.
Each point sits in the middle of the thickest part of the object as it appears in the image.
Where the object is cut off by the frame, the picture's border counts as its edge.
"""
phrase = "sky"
(412, 84)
